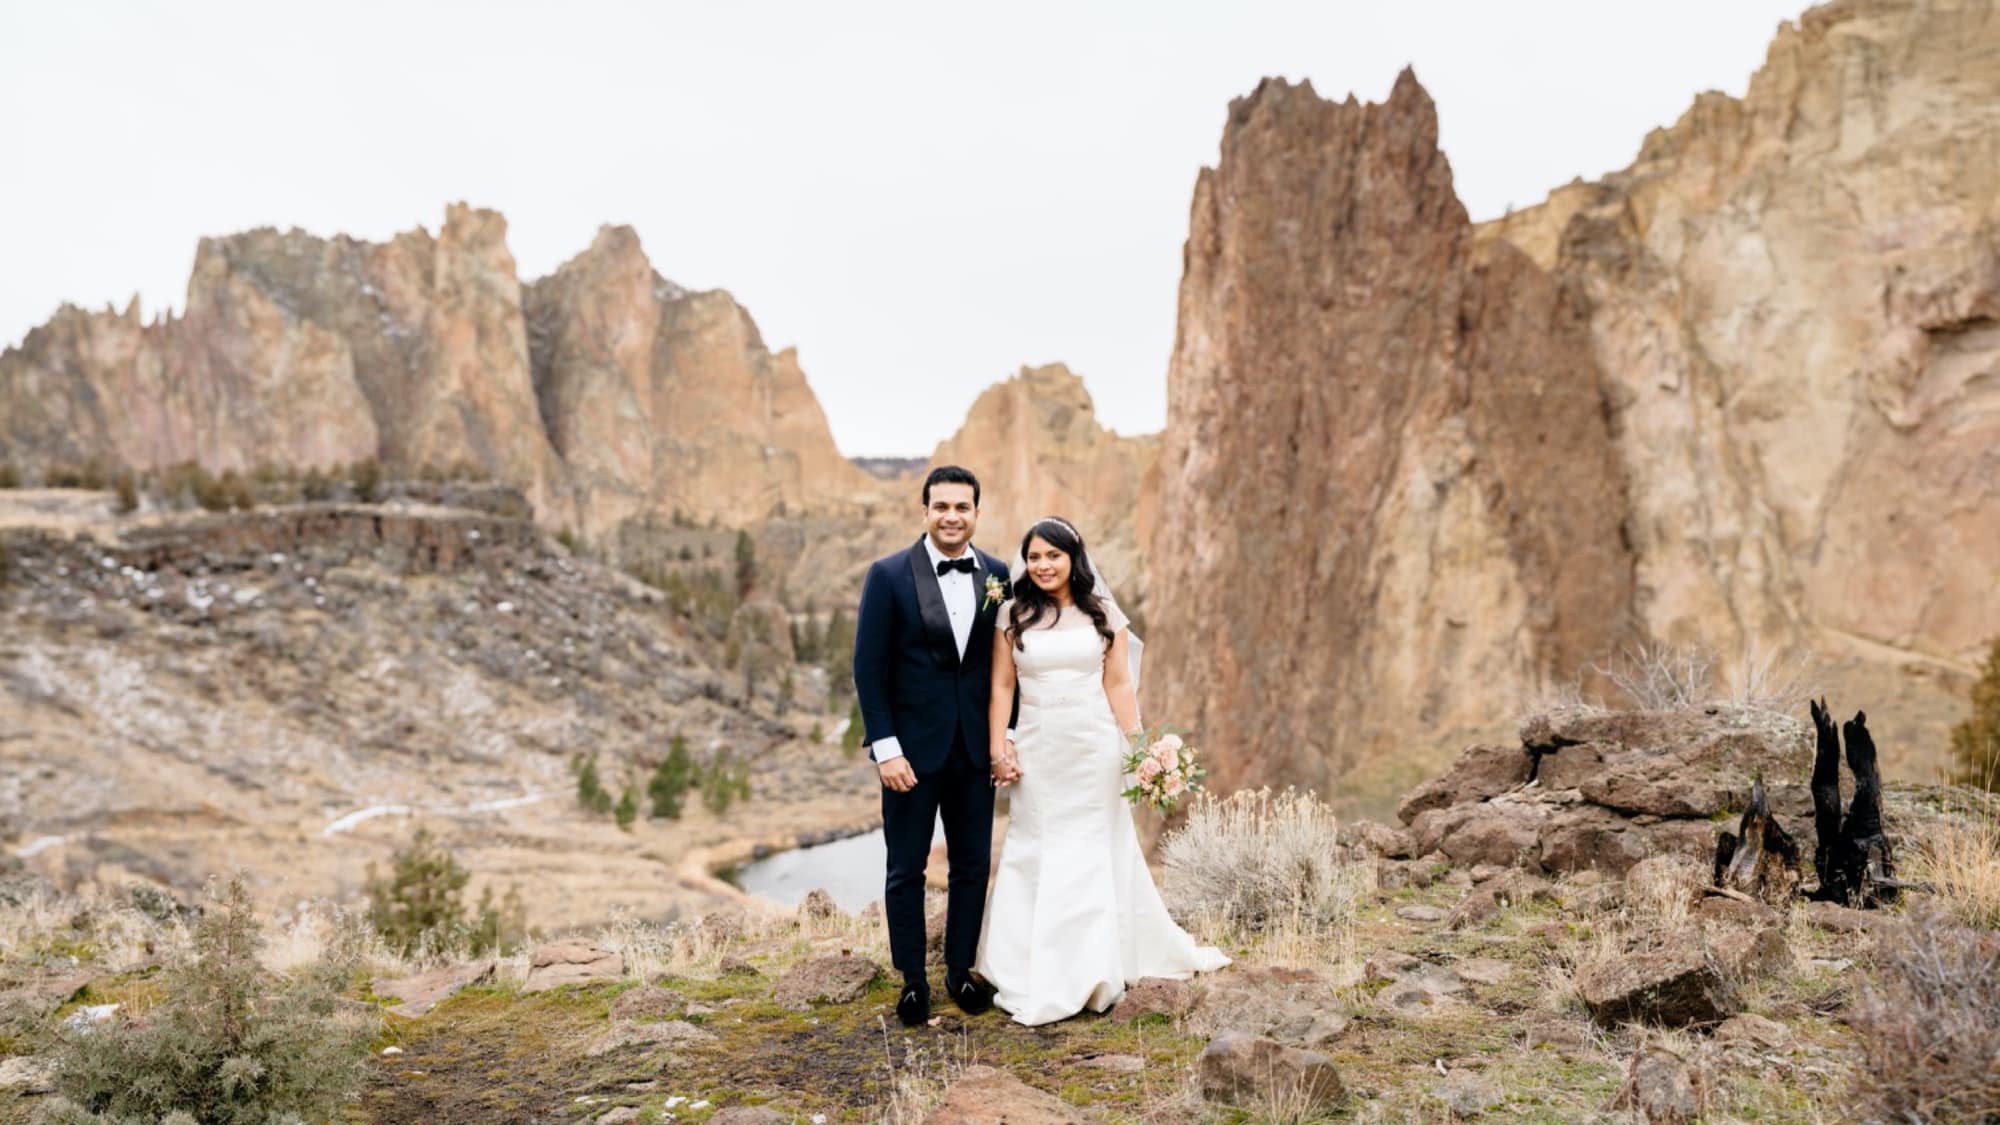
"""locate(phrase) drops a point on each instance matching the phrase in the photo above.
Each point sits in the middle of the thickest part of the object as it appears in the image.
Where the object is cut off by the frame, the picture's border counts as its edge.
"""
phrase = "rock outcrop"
(604, 392)
(1039, 450)
(1746, 392)
(1390, 495)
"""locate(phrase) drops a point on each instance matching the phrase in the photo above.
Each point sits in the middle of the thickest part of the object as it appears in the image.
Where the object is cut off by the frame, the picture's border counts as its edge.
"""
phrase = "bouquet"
(1163, 769)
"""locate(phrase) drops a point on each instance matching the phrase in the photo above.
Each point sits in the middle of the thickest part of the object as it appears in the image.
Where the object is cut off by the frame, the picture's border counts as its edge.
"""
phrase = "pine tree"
(1975, 743)
(669, 784)
(590, 791)
(746, 564)
(420, 902)
(628, 808)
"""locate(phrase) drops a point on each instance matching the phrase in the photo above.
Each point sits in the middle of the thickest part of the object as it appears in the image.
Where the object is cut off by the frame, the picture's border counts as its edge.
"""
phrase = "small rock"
(1483, 871)
(1676, 986)
(818, 905)
(1749, 954)
(648, 1002)
(421, 993)
(985, 1096)
(1748, 1027)
(735, 964)
(827, 980)
(1661, 1087)
(1469, 1094)
(571, 961)
(1390, 843)
(1244, 1070)
(1118, 1064)
(1478, 907)
(619, 1115)
(1154, 996)
(1716, 908)
(1406, 999)
(1420, 913)
(1839, 919)
(1387, 965)
(721, 928)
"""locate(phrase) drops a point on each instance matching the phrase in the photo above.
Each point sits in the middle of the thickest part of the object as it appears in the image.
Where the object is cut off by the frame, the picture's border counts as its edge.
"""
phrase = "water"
(850, 870)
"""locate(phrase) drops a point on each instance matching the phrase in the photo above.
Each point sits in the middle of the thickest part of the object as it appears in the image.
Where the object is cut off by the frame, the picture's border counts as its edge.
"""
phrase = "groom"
(922, 657)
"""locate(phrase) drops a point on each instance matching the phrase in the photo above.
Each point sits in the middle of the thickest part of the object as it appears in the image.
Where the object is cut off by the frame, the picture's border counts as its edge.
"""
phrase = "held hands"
(1006, 767)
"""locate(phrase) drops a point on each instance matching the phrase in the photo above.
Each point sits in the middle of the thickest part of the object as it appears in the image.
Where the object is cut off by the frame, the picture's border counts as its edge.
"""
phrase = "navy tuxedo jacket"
(908, 676)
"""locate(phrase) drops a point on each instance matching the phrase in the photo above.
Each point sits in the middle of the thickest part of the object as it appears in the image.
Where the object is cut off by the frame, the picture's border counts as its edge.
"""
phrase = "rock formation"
(1746, 392)
(1390, 495)
(663, 400)
(1037, 446)
(633, 398)
(1795, 298)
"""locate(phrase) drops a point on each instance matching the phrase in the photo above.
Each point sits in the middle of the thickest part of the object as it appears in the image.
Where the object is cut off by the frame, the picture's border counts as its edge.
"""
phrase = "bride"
(1072, 916)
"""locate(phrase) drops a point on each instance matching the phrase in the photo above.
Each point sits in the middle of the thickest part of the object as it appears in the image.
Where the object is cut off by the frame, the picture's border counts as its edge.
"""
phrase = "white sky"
(920, 196)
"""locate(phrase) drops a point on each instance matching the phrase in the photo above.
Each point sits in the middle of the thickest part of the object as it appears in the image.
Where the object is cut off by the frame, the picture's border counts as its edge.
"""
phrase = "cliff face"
(1745, 392)
(663, 400)
(1036, 445)
(1389, 493)
(1796, 297)
(635, 398)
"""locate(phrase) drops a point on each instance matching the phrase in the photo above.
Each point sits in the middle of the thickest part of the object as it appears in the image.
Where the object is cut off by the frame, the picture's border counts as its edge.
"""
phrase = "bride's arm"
(1000, 711)
(1118, 684)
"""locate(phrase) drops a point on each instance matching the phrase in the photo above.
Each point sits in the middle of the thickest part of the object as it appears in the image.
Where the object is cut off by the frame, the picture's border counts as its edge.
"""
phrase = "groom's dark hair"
(951, 474)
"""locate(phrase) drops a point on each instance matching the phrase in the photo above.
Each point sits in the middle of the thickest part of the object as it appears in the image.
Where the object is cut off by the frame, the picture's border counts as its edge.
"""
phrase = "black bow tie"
(964, 565)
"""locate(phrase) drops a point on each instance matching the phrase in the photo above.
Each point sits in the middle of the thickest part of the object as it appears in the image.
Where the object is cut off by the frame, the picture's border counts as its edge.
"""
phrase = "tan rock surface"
(1038, 449)
(1390, 498)
(1744, 393)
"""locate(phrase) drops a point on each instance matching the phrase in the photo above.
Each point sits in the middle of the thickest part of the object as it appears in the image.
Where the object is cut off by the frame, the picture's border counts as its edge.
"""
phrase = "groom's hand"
(897, 774)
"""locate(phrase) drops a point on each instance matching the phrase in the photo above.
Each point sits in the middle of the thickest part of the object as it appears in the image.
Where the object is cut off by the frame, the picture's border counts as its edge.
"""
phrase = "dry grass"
(1960, 859)
(920, 1073)
(1928, 1026)
(102, 927)
(1674, 677)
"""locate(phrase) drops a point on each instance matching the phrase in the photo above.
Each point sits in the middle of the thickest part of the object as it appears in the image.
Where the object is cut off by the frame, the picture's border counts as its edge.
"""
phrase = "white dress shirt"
(961, 601)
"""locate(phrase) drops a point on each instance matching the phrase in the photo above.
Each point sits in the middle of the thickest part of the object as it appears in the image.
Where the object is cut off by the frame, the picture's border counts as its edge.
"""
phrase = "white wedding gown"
(1072, 916)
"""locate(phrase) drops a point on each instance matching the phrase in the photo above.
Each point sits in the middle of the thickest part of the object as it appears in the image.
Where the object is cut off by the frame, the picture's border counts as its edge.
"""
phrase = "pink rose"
(1175, 786)
(1148, 770)
(1163, 754)
(1172, 742)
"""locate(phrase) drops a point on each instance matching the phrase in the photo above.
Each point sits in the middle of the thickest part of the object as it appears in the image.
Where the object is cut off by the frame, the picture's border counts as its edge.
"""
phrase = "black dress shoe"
(971, 997)
(913, 1004)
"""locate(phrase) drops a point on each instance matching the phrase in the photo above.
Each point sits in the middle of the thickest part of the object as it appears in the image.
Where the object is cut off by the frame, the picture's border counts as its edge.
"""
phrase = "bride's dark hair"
(1031, 604)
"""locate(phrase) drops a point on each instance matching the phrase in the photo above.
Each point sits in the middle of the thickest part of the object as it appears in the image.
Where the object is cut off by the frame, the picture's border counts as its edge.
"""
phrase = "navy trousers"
(962, 794)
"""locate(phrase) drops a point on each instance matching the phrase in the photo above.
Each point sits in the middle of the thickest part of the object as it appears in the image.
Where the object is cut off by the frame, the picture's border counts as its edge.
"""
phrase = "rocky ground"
(292, 689)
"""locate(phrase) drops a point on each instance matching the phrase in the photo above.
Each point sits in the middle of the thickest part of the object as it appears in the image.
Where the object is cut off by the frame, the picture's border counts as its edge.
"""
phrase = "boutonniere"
(996, 592)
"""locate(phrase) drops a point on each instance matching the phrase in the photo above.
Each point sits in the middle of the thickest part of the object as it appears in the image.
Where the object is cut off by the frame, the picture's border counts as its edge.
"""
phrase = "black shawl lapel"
(930, 602)
(983, 615)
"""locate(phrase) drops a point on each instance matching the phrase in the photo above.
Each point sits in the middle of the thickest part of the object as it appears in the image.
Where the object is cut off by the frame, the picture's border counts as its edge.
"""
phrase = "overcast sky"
(920, 197)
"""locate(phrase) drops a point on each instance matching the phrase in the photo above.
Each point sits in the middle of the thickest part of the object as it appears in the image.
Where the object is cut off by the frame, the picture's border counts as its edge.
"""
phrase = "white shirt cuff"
(886, 749)
(1010, 734)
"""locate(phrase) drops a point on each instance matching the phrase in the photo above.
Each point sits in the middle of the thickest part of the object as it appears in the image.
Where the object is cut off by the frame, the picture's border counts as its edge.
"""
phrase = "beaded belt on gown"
(1077, 700)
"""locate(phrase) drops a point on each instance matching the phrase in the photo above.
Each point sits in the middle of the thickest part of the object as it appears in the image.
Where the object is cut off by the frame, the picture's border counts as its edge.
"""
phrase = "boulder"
(1747, 954)
(1661, 1087)
(571, 961)
(424, 991)
(1375, 837)
(818, 905)
(985, 1096)
(1154, 996)
(1294, 1006)
(1240, 1069)
(1748, 1027)
(826, 980)
(1675, 986)
(1481, 771)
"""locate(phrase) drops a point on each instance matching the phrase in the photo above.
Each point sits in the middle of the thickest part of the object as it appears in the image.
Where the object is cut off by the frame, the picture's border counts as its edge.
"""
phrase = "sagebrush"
(229, 1042)
(1259, 857)
(1927, 1024)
